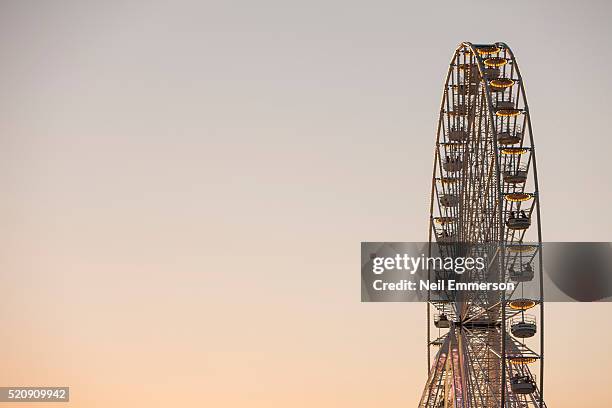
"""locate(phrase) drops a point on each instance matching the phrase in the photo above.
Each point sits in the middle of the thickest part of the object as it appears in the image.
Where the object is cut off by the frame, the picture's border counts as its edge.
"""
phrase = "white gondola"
(515, 177)
(522, 384)
(491, 73)
(469, 69)
(459, 109)
(465, 89)
(457, 135)
(441, 321)
(524, 273)
(437, 342)
(522, 304)
(518, 223)
(446, 239)
(523, 327)
(453, 165)
(496, 89)
(449, 200)
(471, 74)
(504, 105)
(508, 138)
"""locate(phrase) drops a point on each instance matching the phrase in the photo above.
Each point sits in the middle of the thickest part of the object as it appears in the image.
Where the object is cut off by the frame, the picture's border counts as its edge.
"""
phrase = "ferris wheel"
(486, 349)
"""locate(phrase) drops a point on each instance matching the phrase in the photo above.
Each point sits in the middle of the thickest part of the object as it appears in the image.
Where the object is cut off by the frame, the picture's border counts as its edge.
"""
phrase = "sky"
(186, 185)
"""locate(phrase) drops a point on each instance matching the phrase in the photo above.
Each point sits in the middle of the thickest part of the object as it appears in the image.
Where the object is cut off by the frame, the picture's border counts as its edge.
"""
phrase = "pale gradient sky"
(185, 186)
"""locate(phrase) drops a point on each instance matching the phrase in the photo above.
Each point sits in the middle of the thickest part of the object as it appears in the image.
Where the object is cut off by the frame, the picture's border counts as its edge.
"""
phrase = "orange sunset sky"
(185, 186)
